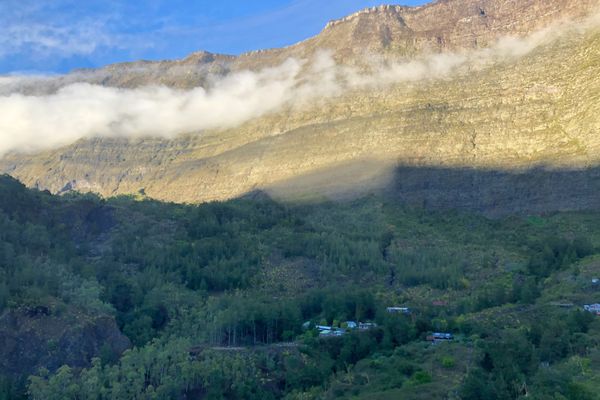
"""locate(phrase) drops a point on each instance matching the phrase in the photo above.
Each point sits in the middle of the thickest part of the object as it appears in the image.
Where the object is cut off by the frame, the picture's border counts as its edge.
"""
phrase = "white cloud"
(47, 31)
(60, 40)
(83, 110)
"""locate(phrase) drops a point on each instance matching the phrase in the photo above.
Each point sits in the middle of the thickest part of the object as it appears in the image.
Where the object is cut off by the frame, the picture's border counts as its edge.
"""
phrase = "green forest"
(223, 300)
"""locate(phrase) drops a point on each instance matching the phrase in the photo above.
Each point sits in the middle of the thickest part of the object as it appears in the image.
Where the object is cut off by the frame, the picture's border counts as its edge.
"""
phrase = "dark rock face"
(36, 336)
(99, 220)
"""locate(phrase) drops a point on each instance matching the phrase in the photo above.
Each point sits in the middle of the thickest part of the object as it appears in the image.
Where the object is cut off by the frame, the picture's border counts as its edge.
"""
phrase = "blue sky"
(55, 36)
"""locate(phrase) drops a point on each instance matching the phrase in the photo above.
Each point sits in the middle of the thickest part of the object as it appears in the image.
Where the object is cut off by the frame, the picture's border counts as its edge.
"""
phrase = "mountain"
(506, 121)
(164, 294)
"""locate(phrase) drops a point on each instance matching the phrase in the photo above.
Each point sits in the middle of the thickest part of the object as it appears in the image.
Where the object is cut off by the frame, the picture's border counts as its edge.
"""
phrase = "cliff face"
(509, 116)
(445, 25)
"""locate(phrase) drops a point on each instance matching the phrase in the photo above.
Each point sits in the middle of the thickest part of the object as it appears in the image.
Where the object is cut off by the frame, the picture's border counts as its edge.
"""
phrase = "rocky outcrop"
(32, 337)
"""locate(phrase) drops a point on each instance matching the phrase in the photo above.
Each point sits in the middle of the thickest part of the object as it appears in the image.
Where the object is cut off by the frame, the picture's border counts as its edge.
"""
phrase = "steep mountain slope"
(508, 114)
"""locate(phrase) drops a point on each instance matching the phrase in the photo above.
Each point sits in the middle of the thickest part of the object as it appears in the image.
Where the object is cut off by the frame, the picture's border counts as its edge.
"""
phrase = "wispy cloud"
(37, 35)
(44, 40)
(65, 34)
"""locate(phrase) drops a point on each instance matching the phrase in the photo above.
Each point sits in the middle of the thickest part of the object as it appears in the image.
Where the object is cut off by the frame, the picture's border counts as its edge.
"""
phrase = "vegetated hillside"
(508, 115)
(214, 297)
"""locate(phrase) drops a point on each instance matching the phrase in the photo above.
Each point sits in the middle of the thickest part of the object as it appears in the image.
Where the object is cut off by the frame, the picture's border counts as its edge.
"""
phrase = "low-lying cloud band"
(81, 110)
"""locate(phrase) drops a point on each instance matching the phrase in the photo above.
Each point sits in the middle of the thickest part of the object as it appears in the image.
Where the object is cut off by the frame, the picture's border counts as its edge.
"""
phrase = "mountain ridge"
(390, 30)
(513, 115)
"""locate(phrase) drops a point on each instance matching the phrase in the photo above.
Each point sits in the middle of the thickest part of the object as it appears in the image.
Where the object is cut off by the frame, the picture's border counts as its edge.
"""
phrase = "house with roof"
(437, 337)
(365, 326)
(398, 310)
(351, 325)
(325, 333)
(593, 308)
(330, 331)
(323, 328)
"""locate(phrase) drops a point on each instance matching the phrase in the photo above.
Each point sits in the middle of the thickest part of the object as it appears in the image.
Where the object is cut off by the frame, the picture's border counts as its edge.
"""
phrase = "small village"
(327, 331)
(345, 327)
(593, 308)
(349, 326)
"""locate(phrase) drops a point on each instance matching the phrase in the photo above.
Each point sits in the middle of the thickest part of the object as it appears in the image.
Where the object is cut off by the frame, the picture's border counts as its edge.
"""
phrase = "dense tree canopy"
(214, 298)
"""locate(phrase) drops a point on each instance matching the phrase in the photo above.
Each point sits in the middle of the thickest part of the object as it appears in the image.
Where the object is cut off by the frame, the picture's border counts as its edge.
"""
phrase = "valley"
(404, 206)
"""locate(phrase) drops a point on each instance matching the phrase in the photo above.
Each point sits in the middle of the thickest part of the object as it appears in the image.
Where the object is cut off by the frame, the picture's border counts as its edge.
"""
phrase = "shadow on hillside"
(497, 193)
(491, 192)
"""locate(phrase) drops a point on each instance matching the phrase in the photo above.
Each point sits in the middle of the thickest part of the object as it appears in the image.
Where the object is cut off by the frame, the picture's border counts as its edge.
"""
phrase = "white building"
(593, 308)
(403, 310)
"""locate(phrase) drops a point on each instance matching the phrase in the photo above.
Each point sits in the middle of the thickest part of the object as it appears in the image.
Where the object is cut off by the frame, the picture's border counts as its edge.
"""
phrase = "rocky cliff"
(34, 337)
(538, 111)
